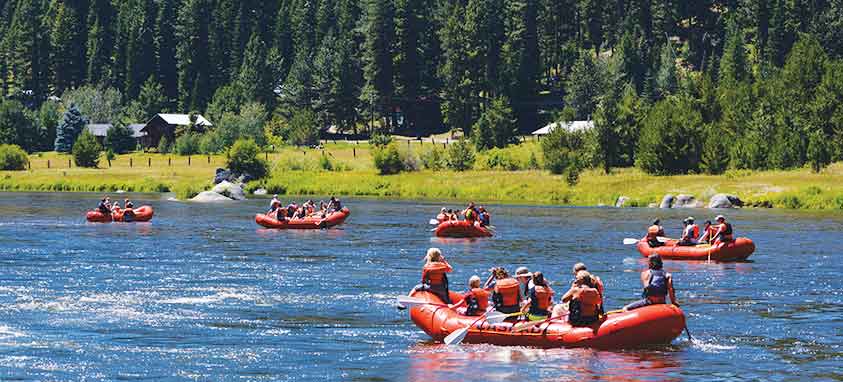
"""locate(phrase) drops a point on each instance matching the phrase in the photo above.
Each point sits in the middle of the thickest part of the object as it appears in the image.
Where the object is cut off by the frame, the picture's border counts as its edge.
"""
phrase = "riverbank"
(348, 171)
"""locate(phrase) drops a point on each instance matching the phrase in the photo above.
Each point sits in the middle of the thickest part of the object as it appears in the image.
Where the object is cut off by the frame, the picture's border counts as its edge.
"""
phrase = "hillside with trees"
(672, 86)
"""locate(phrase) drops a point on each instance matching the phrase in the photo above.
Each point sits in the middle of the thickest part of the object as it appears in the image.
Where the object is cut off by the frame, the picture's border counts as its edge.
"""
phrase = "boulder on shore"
(687, 201)
(667, 201)
(223, 175)
(210, 197)
(621, 202)
(725, 201)
(260, 191)
(229, 190)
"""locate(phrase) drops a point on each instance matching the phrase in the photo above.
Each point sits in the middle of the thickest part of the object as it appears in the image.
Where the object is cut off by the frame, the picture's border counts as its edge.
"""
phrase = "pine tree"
(667, 80)
(458, 100)
(254, 79)
(141, 48)
(733, 62)
(165, 50)
(522, 51)
(152, 99)
(377, 56)
(25, 43)
(221, 42)
(584, 86)
(407, 57)
(72, 124)
(100, 41)
(191, 49)
(326, 19)
(67, 60)
(486, 33)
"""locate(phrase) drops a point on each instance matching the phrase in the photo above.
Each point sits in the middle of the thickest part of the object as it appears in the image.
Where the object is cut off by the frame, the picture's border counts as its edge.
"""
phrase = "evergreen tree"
(458, 104)
(151, 99)
(165, 50)
(86, 150)
(667, 80)
(17, 126)
(193, 67)
(100, 41)
(254, 79)
(67, 35)
(486, 33)
(25, 44)
(222, 44)
(496, 126)
(377, 56)
(522, 49)
(733, 62)
(326, 19)
(408, 29)
(584, 86)
(670, 138)
(70, 127)
(141, 48)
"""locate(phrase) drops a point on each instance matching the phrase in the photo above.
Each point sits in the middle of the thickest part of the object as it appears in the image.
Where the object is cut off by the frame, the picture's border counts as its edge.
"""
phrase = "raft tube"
(650, 325)
(461, 229)
(738, 250)
(140, 214)
(310, 222)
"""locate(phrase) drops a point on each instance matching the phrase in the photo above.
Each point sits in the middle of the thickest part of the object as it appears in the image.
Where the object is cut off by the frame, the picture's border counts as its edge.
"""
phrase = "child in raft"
(475, 302)
(434, 278)
(539, 300)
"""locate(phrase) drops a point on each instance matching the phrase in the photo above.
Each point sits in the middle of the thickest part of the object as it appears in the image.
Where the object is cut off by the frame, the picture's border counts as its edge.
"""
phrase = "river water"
(202, 293)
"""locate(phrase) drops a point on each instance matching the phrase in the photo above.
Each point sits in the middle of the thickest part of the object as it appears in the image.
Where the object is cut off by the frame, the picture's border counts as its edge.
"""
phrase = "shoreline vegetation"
(346, 169)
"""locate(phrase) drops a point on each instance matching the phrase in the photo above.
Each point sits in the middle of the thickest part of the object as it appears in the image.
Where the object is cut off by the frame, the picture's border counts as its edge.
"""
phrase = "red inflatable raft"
(650, 325)
(310, 222)
(457, 228)
(140, 214)
(738, 250)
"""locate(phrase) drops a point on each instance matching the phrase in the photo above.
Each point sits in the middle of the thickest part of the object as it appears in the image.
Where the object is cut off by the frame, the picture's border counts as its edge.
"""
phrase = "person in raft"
(658, 285)
(523, 275)
(724, 233)
(452, 215)
(334, 205)
(585, 304)
(470, 212)
(505, 296)
(127, 204)
(485, 217)
(540, 300)
(434, 278)
(653, 232)
(691, 232)
(708, 233)
(104, 206)
(128, 210)
(475, 302)
(598, 284)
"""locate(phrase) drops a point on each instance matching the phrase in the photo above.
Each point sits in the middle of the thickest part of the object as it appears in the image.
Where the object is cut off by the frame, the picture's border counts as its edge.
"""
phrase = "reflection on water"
(203, 293)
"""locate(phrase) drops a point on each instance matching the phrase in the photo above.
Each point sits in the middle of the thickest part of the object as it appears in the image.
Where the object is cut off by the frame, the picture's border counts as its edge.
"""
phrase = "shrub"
(187, 144)
(325, 163)
(109, 154)
(501, 160)
(243, 159)
(563, 151)
(119, 139)
(380, 140)
(210, 143)
(496, 126)
(433, 159)
(533, 163)
(13, 158)
(164, 145)
(670, 138)
(388, 160)
(86, 150)
(460, 156)
(303, 129)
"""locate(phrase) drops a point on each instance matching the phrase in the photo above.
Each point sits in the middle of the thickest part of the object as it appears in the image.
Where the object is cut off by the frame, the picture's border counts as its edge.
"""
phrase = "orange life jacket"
(543, 297)
(482, 298)
(434, 273)
(590, 301)
(508, 292)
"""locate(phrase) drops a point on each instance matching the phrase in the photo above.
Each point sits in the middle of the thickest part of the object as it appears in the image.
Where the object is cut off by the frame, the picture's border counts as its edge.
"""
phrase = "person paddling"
(540, 299)
(708, 233)
(128, 210)
(691, 232)
(585, 304)
(475, 302)
(434, 278)
(523, 275)
(598, 284)
(470, 213)
(104, 206)
(658, 285)
(506, 296)
(724, 233)
(653, 232)
(485, 217)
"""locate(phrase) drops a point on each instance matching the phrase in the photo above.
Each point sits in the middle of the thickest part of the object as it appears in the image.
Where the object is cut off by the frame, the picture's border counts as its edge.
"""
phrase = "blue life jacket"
(657, 286)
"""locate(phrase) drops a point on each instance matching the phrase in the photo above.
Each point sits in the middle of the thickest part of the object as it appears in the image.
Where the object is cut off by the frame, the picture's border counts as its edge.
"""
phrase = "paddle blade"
(663, 239)
(411, 301)
(630, 241)
(497, 317)
(433, 222)
(457, 336)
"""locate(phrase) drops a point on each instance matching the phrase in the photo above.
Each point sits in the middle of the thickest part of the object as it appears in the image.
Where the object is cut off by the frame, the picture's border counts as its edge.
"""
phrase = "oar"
(663, 239)
(412, 301)
(688, 332)
(433, 222)
(527, 325)
(630, 241)
(492, 317)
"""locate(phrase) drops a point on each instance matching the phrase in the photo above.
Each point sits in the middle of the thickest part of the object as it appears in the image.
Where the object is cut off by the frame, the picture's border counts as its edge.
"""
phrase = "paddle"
(520, 327)
(630, 241)
(412, 301)
(663, 239)
(433, 222)
(492, 317)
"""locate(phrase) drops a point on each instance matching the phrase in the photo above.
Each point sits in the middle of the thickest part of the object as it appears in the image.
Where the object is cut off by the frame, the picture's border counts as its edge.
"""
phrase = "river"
(203, 293)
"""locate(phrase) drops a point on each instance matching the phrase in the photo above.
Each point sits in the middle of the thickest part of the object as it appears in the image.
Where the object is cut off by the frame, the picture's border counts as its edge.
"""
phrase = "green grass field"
(296, 171)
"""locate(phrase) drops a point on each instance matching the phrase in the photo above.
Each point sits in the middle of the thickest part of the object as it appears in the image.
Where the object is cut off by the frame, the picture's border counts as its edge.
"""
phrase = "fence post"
(48, 163)
(130, 162)
(354, 151)
(148, 162)
(28, 165)
(109, 162)
(444, 145)
(188, 161)
(68, 163)
(170, 161)
(408, 143)
(209, 159)
(266, 155)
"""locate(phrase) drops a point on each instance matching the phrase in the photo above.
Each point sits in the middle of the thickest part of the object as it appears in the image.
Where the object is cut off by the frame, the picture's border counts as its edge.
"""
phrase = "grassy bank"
(302, 172)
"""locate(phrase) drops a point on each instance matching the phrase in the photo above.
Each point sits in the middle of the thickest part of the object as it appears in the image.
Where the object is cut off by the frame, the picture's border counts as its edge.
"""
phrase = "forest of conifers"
(672, 86)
